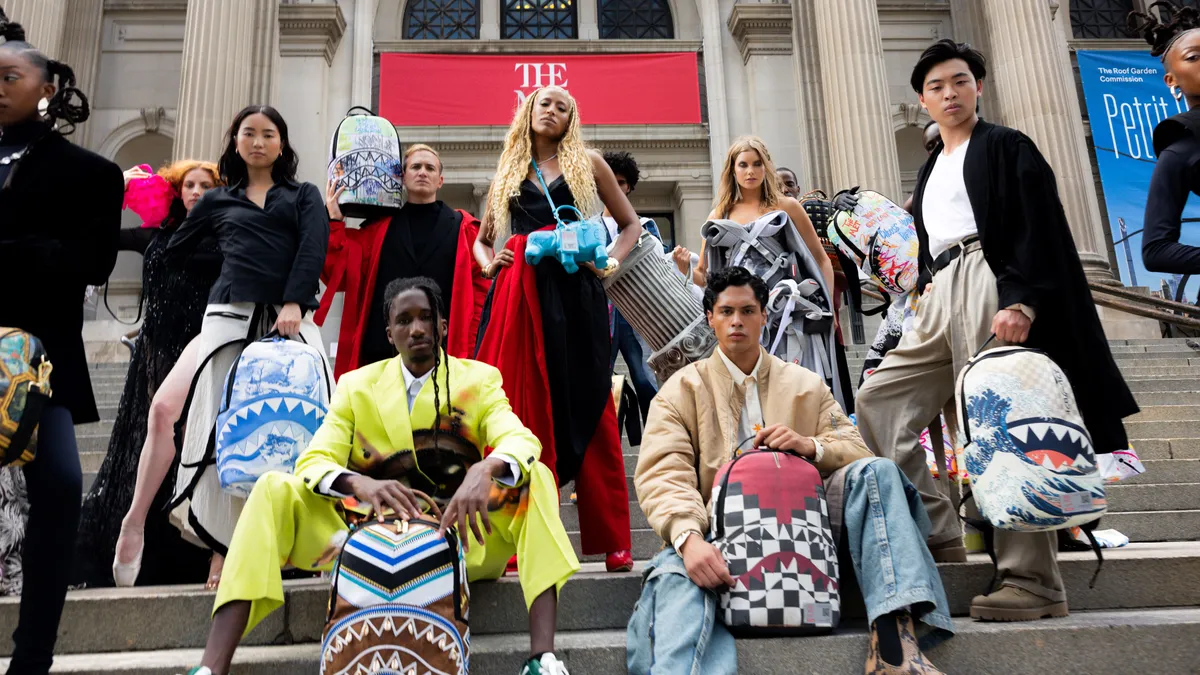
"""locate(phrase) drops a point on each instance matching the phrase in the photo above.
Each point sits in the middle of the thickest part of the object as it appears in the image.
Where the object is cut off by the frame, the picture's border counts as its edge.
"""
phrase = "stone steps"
(165, 618)
(1159, 641)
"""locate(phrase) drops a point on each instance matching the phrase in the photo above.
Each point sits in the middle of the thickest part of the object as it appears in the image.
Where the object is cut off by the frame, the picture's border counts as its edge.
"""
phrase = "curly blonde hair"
(728, 194)
(175, 172)
(515, 158)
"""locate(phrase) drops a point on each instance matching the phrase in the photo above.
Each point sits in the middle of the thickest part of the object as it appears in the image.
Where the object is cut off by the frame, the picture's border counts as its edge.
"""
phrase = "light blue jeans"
(674, 629)
(885, 529)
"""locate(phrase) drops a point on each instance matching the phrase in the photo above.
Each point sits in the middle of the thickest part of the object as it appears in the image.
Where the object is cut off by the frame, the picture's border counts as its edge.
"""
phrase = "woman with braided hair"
(52, 249)
(547, 329)
(1176, 139)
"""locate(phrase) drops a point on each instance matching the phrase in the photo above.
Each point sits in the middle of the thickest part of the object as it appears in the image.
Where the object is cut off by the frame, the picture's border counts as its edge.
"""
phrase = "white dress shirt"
(412, 388)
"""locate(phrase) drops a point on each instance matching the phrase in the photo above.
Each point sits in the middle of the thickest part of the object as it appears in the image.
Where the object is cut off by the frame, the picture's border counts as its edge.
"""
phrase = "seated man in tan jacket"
(694, 424)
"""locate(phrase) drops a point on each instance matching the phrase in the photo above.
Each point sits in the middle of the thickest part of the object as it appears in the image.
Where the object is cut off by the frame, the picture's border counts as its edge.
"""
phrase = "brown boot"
(913, 661)
(1011, 603)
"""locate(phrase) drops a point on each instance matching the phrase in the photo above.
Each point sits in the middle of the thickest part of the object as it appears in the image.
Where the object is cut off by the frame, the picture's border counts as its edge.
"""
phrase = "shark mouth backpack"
(770, 521)
(367, 161)
(1030, 459)
(881, 239)
(276, 396)
(399, 602)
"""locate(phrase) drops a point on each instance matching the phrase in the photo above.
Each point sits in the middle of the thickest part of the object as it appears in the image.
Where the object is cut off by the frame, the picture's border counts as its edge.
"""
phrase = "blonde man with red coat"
(424, 238)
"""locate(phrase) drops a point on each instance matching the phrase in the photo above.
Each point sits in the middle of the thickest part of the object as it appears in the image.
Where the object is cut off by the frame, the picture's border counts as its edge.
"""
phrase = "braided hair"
(1160, 35)
(434, 294)
(68, 106)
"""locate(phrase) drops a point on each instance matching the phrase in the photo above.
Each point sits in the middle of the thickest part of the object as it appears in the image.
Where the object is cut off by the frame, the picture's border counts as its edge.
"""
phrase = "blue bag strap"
(545, 190)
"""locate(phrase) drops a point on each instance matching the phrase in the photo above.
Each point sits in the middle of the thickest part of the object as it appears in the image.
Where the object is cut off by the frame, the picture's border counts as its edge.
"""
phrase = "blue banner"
(1126, 98)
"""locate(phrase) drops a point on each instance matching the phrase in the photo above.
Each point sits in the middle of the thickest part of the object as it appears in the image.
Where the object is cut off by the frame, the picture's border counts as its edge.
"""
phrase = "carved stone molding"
(697, 190)
(762, 29)
(909, 115)
(535, 46)
(311, 30)
(153, 118)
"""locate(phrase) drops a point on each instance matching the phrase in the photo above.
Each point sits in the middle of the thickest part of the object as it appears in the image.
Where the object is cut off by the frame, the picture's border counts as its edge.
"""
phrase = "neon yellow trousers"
(284, 521)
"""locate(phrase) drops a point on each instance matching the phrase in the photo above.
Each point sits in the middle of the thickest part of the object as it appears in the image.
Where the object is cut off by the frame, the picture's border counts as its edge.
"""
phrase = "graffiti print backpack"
(276, 395)
(399, 602)
(1030, 458)
(367, 160)
(770, 521)
(24, 390)
(881, 239)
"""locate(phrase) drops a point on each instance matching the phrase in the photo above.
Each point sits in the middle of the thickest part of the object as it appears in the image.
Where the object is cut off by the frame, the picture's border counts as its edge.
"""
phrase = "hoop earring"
(1178, 95)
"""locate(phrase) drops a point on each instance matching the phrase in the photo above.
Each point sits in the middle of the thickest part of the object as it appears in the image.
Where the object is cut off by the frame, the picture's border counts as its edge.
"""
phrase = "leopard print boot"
(913, 663)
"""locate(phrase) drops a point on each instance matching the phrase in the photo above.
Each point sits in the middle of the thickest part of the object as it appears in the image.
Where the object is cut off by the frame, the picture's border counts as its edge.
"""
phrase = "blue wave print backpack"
(1030, 458)
(276, 395)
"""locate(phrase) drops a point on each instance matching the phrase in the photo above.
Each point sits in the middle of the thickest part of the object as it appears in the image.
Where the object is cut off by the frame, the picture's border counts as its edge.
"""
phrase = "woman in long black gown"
(175, 300)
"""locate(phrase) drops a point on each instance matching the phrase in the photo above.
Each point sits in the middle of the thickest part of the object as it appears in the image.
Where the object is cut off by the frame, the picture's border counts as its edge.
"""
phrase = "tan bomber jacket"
(698, 409)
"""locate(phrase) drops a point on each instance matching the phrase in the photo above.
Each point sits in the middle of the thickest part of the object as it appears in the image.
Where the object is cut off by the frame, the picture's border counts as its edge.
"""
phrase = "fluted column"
(810, 100)
(862, 146)
(81, 50)
(714, 77)
(219, 48)
(42, 20)
(968, 20)
(364, 55)
(1027, 63)
(264, 80)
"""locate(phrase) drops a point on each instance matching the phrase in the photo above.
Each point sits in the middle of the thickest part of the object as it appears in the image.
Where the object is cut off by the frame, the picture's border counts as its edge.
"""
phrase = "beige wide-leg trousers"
(912, 385)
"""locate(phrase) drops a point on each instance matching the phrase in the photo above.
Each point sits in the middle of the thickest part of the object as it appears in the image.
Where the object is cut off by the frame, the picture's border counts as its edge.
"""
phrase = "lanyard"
(553, 209)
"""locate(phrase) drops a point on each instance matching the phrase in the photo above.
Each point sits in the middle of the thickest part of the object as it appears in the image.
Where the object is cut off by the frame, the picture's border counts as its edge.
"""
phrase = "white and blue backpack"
(276, 396)
(1030, 458)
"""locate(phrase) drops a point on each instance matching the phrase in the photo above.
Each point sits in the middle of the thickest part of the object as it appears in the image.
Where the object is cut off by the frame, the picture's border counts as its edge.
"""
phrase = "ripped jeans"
(674, 628)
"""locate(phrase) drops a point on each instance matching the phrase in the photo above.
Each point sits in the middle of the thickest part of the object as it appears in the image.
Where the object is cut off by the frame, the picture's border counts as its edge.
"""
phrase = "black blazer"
(60, 219)
(1027, 243)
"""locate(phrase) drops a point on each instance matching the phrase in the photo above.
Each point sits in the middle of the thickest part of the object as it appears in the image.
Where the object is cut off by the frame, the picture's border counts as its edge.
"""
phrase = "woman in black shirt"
(60, 215)
(273, 232)
(142, 444)
(1177, 173)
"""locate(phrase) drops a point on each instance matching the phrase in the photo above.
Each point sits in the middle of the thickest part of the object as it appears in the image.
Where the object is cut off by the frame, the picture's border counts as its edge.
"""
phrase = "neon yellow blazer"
(372, 401)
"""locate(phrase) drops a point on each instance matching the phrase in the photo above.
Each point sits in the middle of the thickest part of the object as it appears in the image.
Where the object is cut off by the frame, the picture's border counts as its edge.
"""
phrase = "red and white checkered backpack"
(770, 521)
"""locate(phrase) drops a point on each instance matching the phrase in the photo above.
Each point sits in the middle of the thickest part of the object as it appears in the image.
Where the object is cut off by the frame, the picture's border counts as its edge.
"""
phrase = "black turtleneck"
(18, 137)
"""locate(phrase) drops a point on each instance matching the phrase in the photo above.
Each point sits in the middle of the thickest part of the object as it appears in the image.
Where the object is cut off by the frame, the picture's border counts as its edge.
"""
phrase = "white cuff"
(513, 479)
(681, 540)
(1028, 311)
(325, 487)
(819, 452)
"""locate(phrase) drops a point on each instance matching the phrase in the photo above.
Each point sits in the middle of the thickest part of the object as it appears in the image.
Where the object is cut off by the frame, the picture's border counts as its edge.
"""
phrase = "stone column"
(218, 58)
(969, 26)
(693, 203)
(42, 20)
(810, 100)
(82, 23)
(364, 54)
(857, 111)
(264, 86)
(763, 33)
(1027, 63)
(714, 76)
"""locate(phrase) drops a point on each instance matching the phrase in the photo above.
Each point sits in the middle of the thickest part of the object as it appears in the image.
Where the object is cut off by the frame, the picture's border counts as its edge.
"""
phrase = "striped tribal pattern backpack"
(399, 602)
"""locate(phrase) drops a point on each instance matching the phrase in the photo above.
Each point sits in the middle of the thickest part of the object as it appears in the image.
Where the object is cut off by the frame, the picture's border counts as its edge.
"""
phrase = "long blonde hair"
(729, 194)
(513, 167)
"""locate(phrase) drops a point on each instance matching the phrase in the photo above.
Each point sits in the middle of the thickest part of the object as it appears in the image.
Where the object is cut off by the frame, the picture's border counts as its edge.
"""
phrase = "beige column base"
(1120, 325)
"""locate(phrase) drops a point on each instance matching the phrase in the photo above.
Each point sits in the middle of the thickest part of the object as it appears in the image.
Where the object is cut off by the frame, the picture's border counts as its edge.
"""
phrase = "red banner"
(459, 90)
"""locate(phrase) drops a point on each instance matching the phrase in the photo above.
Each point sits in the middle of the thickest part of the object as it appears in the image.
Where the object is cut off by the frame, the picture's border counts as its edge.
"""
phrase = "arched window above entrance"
(441, 20)
(539, 20)
(635, 20)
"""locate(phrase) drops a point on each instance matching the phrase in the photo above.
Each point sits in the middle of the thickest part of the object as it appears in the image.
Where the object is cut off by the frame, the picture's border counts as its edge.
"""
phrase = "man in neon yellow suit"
(296, 519)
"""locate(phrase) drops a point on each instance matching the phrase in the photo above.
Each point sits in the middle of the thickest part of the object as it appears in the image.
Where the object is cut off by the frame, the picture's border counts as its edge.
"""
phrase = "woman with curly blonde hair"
(141, 452)
(549, 336)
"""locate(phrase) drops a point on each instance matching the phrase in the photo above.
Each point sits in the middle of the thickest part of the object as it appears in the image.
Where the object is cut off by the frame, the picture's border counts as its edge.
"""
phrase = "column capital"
(689, 190)
(311, 30)
(761, 29)
(480, 190)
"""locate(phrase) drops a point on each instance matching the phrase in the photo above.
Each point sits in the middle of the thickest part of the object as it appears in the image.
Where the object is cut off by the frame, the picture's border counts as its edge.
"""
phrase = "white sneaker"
(547, 665)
